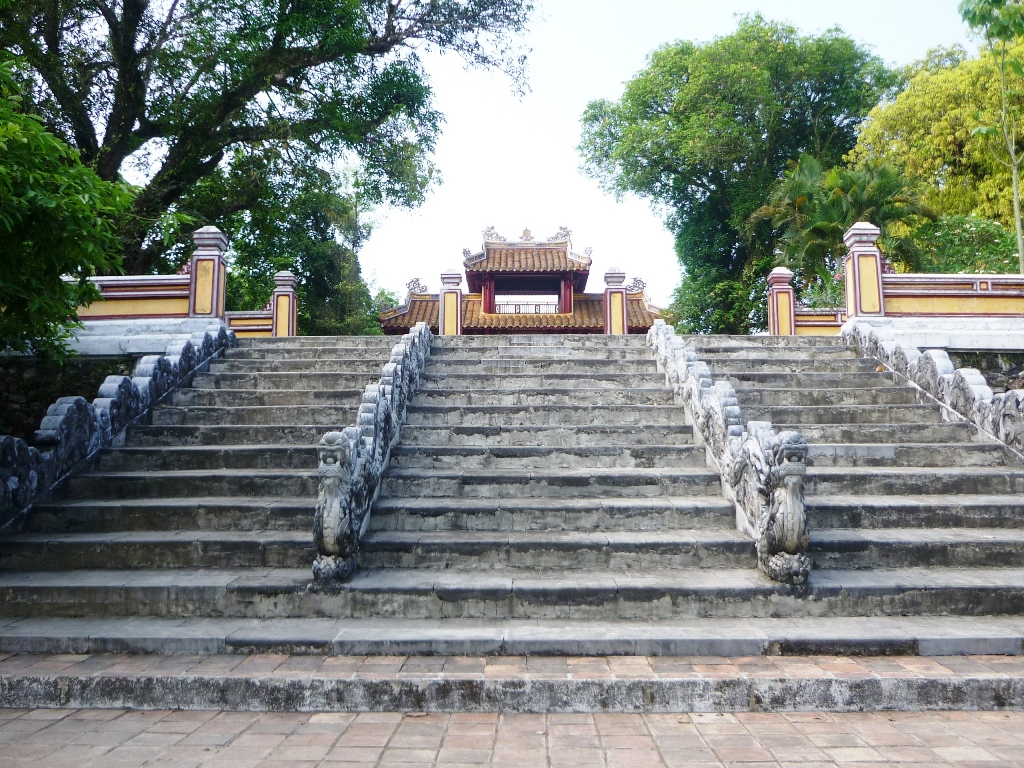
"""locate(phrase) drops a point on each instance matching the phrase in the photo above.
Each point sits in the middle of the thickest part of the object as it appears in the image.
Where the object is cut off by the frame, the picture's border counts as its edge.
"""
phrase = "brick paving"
(176, 739)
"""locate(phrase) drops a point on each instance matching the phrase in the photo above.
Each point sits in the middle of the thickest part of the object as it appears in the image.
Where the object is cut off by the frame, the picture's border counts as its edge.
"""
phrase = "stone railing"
(963, 390)
(352, 462)
(73, 429)
(762, 471)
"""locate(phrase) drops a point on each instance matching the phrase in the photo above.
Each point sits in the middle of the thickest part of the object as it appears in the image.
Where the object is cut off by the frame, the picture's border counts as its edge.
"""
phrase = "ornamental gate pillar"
(449, 316)
(781, 303)
(284, 304)
(863, 270)
(208, 270)
(616, 321)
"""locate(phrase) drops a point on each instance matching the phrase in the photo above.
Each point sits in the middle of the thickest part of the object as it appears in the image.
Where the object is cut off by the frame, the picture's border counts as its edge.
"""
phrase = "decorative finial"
(466, 252)
(416, 286)
(491, 235)
(561, 235)
(636, 286)
(527, 236)
(588, 251)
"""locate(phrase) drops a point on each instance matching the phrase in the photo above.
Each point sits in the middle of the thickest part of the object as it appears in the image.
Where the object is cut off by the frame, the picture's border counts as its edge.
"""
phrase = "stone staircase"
(546, 497)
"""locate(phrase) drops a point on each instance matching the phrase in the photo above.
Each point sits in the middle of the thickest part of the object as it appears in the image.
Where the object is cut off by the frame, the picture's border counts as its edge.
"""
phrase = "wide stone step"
(309, 380)
(546, 396)
(383, 343)
(340, 365)
(225, 434)
(726, 366)
(330, 416)
(525, 366)
(657, 513)
(373, 355)
(587, 340)
(753, 381)
(211, 482)
(556, 483)
(917, 547)
(843, 414)
(827, 397)
(463, 382)
(701, 341)
(823, 481)
(909, 455)
(757, 352)
(923, 432)
(247, 398)
(213, 513)
(566, 550)
(448, 355)
(512, 458)
(924, 510)
(209, 457)
(157, 549)
(540, 415)
(547, 436)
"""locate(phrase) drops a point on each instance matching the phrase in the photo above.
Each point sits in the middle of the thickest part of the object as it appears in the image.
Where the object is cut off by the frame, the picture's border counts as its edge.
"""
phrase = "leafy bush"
(966, 244)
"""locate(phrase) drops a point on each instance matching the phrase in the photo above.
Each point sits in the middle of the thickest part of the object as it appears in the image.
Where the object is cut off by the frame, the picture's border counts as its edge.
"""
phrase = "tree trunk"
(1015, 175)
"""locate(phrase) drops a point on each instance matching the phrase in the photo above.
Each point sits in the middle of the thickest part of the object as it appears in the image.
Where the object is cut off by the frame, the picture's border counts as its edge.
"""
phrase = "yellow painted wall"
(817, 330)
(252, 334)
(119, 307)
(618, 326)
(239, 322)
(954, 305)
(870, 301)
(451, 314)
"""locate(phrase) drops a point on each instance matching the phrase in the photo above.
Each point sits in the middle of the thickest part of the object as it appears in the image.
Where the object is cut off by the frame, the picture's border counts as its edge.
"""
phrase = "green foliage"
(55, 223)
(966, 244)
(705, 130)
(825, 293)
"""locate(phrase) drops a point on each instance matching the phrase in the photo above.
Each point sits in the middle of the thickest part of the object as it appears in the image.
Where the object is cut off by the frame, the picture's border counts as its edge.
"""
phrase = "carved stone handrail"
(963, 390)
(352, 462)
(73, 429)
(762, 471)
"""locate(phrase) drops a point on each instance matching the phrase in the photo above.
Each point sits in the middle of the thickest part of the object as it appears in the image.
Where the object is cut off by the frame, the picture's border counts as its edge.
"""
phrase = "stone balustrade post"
(449, 319)
(208, 270)
(863, 271)
(616, 320)
(781, 303)
(285, 304)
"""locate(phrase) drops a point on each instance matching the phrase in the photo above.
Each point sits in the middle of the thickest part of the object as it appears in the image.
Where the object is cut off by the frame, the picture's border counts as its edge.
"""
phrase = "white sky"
(512, 162)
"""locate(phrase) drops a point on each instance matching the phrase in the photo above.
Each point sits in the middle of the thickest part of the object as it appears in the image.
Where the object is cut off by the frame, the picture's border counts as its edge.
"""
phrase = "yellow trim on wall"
(870, 301)
(954, 305)
(451, 314)
(817, 330)
(204, 286)
(284, 315)
(253, 334)
(240, 322)
(118, 307)
(784, 312)
(618, 326)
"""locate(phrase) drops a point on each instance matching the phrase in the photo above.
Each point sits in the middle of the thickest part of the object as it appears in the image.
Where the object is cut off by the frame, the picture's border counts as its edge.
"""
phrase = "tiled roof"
(587, 316)
(498, 258)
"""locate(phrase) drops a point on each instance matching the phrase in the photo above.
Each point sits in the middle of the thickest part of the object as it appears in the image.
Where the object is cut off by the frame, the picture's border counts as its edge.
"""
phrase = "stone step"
(247, 398)
(843, 414)
(753, 381)
(414, 435)
(513, 458)
(824, 481)
(701, 341)
(923, 432)
(309, 380)
(796, 683)
(157, 550)
(444, 356)
(581, 367)
(917, 547)
(512, 593)
(564, 550)
(225, 434)
(383, 343)
(658, 513)
(330, 416)
(541, 415)
(726, 366)
(924, 510)
(339, 365)
(211, 482)
(168, 458)
(214, 513)
(827, 397)
(910, 455)
(546, 396)
(463, 382)
(371, 355)
(746, 352)
(588, 340)
(551, 483)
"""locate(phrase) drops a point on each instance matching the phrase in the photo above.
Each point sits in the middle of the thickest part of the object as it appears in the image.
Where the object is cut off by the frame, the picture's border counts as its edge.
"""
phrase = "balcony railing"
(525, 309)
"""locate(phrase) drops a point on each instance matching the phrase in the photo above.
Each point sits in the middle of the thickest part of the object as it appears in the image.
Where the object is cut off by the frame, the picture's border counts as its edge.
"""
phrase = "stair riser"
(459, 383)
(88, 487)
(329, 416)
(539, 340)
(184, 516)
(243, 398)
(723, 367)
(745, 352)
(752, 398)
(884, 515)
(446, 356)
(568, 488)
(382, 343)
(341, 366)
(832, 555)
(581, 367)
(317, 382)
(577, 397)
(932, 483)
(170, 459)
(754, 381)
(637, 458)
(179, 435)
(939, 432)
(895, 455)
(55, 556)
(867, 414)
(370, 355)
(543, 416)
(581, 437)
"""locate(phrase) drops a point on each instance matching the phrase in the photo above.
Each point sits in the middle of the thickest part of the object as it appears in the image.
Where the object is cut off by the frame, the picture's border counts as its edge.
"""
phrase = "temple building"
(525, 286)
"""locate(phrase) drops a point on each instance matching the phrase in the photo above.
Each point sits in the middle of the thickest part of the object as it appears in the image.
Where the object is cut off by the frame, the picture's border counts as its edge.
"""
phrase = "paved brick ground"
(162, 739)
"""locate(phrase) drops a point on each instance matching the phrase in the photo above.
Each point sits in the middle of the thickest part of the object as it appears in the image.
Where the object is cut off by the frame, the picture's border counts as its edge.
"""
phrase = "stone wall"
(1002, 370)
(28, 386)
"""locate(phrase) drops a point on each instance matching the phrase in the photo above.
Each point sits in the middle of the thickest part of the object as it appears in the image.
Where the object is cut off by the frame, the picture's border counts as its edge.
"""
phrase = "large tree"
(705, 130)
(175, 86)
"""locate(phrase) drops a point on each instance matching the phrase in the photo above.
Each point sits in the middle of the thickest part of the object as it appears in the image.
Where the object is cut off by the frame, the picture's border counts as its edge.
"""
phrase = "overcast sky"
(511, 162)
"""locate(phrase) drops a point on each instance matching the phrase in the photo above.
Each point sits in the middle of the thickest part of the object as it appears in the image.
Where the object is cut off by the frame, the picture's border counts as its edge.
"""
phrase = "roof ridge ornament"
(637, 286)
(416, 286)
(563, 234)
(527, 236)
(491, 235)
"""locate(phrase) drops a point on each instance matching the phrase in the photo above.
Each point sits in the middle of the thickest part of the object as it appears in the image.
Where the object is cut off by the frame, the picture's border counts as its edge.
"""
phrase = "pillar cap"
(780, 276)
(614, 277)
(285, 279)
(451, 278)
(210, 239)
(862, 234)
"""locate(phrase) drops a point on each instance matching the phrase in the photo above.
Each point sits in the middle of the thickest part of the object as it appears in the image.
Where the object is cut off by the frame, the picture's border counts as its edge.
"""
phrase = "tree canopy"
(705, 130)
